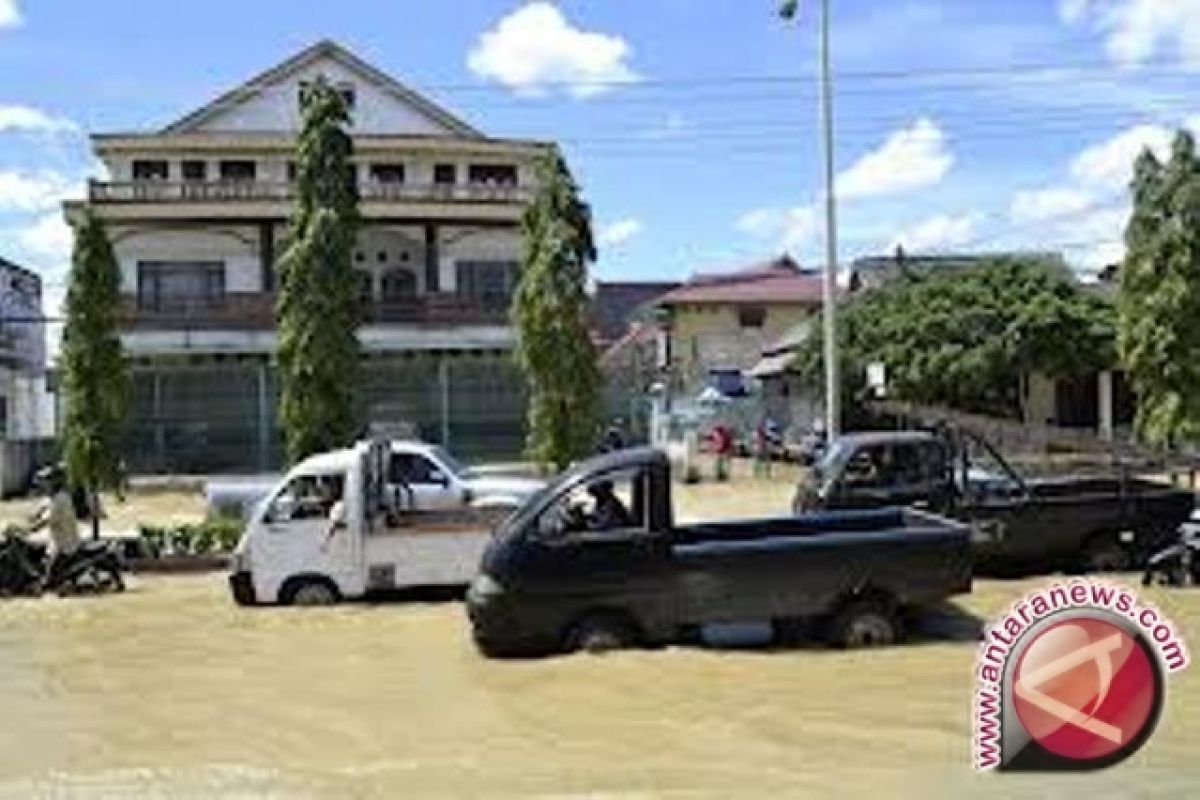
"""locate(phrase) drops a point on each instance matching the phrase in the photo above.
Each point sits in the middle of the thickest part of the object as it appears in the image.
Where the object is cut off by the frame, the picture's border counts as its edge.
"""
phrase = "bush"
(216, 535)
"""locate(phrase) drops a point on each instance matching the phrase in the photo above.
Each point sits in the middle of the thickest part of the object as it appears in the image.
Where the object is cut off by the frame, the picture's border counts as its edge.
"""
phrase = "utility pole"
(833, 398)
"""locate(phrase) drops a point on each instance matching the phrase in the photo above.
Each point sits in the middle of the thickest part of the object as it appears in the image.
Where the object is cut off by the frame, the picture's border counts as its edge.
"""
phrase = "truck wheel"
(600, 633)
(310, 592)
(865, 623)
(1104, 554)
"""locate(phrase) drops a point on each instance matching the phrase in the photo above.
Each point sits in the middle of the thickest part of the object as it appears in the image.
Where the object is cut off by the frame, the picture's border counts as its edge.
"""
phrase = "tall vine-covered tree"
(95, 373)
(550, 309)
(317, 311)
(1159, 303)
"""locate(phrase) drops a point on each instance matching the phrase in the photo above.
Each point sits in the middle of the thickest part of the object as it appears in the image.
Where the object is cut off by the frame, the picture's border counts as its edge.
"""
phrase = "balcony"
(257, 312)
(157, 191)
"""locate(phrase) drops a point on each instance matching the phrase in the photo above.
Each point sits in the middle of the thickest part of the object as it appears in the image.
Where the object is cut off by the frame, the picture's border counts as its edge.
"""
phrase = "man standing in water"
(58, 514)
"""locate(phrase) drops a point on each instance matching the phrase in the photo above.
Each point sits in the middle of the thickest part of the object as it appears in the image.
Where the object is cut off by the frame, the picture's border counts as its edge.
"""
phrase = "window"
(488, 283)
(155, 170)
(180, 285)
(445, 174)
(238, 170)
(752, 316)
(4, 417)
(610, 502)
(293, 172)
(399, 284)
(500, 174)
(387, 173)
(366, 286)
(194, 170)
(409, 468)
(307, 497)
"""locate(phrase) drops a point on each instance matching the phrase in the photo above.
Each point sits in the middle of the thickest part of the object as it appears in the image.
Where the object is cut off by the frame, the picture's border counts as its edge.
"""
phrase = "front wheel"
(600, 633)
(865, 623)
(310, 592)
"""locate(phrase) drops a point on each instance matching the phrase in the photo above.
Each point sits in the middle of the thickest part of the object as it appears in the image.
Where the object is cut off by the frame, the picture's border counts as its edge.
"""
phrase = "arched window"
(399, 284)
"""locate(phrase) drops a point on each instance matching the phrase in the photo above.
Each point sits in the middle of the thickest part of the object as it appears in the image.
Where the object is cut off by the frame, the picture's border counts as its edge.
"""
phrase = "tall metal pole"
(833, 398)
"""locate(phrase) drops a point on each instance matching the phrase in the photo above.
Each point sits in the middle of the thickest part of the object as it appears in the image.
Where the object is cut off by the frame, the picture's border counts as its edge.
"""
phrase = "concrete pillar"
(444, 389)
(264, 418)
(266, 255)
(160, 434)
(1104, 386)
(432, 276)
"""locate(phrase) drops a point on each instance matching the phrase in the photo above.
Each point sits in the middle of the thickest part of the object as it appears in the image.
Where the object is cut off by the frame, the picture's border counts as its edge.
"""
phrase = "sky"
(691, 125)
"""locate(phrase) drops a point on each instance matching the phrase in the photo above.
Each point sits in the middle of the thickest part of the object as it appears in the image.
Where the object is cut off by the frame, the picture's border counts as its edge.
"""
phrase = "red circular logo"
(1085, 688)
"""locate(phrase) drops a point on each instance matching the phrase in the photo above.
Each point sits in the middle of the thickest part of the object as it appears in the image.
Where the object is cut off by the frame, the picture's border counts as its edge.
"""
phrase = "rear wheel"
(600, 633)
(865, 623)
(310, 592)
(1105, 553)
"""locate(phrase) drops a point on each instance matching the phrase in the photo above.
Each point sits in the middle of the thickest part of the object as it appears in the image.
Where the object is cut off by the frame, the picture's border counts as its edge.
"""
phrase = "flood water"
(172, 691)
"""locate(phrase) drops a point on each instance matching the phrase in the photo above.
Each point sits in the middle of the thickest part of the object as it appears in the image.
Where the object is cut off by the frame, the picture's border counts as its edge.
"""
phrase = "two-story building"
(716, 328)
(197, 213)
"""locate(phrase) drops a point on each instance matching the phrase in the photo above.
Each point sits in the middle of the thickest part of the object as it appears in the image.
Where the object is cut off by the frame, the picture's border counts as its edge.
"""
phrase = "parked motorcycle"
(27, 569)
(1177, 564)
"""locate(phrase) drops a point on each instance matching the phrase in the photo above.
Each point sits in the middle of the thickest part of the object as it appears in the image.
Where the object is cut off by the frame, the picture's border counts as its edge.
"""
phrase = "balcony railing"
(156, 191)
(237, 311)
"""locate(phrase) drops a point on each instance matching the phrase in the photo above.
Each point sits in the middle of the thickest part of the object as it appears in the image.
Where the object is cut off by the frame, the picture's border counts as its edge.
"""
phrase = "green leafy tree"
(95, 373)
(318, 312)
(550, 309)
(1160, 295)
(966, 338)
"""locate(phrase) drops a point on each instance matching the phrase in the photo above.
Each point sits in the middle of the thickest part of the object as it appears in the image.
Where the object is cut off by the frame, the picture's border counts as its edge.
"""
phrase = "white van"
(333, 529)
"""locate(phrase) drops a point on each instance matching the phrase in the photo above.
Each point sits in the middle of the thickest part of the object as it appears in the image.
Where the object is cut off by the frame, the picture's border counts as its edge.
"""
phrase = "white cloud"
(48, 240)
(1135, 31)
(536, 47)
(938, 233)
(32, 120)
(909, 159)
(793, 229)
(619, 232)
(27, 191)
(1109, 164)
(1056, 201)
(10, 15)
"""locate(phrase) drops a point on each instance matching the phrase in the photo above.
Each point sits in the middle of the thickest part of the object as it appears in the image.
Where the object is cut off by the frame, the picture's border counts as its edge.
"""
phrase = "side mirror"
(439, 477)
(337, 515)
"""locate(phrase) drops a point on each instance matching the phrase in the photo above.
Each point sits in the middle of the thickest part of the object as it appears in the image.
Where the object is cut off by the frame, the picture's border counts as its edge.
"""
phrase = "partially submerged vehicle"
(1072, 523)
(335, 527)
(572, 570)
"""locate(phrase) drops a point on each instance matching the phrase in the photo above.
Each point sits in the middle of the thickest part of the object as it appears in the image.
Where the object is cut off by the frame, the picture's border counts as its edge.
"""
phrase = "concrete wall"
(705, 338)
(277, 108)
(237, 248)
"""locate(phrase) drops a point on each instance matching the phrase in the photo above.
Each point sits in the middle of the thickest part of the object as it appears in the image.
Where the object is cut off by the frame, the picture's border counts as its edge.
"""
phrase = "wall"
(277, 108)
(720, 342)
(237, 247)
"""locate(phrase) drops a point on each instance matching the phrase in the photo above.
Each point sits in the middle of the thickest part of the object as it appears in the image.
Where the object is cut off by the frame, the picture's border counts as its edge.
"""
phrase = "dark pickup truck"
(1077, 524)
(596, 561)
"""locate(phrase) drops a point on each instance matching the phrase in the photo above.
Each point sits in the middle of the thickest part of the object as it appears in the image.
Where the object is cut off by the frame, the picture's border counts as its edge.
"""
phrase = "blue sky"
(691, 124)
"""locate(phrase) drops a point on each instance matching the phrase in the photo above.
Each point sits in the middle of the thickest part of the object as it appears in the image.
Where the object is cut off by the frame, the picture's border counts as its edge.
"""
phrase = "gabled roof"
(616, 304)
(331, 50)
(779, 281)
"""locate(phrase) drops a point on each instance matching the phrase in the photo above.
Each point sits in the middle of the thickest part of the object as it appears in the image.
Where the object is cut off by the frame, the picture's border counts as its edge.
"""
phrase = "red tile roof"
(780, 281)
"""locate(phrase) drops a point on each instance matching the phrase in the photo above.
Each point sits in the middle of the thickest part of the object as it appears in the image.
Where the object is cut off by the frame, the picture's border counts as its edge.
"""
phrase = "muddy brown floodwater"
(172, 691)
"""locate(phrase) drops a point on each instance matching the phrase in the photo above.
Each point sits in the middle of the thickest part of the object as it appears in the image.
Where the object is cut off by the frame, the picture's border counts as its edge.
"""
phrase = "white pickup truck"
(337, 526)
(423, 476)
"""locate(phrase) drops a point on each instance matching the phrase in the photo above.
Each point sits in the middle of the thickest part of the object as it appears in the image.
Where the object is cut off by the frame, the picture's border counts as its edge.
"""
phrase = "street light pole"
(829, 294)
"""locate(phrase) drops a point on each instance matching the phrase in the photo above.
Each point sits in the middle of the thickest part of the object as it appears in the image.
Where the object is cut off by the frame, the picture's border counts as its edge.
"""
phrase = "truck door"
(302, 534)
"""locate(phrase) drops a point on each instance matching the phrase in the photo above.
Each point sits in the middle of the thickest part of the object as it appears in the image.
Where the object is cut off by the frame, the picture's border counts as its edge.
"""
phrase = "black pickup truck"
(595, 561)
(1089, 524)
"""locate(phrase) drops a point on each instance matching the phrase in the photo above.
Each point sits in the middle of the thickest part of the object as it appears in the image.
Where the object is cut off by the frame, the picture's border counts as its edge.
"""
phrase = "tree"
(95, 374)
(550, 309)
(318, 310)
(1159, 297)
(966, 338)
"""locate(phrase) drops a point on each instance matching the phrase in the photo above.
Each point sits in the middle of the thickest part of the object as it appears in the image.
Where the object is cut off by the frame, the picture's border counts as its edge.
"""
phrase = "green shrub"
(215, 535)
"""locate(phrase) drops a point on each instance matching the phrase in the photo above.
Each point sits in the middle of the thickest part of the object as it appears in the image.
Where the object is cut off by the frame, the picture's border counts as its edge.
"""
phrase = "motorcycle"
(27, 569)
(1179, 563)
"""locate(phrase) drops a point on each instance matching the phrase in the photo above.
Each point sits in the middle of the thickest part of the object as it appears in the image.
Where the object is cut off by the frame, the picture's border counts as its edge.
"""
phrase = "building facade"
(26, 407)
(197, 213)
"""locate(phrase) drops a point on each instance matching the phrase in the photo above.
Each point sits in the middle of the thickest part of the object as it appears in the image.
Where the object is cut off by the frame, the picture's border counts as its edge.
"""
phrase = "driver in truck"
(608, 512)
